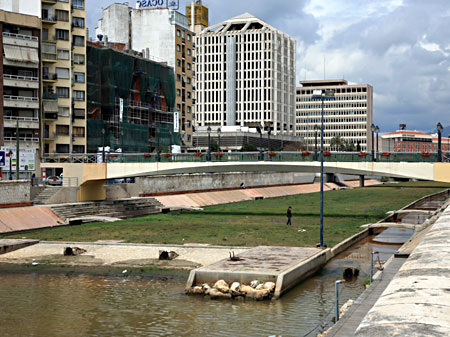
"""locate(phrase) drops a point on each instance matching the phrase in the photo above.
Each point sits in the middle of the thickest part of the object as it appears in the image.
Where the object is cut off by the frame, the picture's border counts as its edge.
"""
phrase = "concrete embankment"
(417, 301)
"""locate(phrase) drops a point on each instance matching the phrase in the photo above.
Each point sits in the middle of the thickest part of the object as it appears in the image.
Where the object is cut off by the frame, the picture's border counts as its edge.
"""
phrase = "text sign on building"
(171, 4)
(176, 122)
(2, 158)
(27, 159)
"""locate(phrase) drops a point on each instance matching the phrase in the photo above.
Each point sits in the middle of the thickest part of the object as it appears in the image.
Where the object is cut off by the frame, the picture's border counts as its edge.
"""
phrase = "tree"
(336, 143)
(249, 148)
(214, 146)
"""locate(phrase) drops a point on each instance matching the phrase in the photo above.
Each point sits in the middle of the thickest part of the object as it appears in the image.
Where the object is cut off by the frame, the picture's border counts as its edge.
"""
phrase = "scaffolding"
(130, 102)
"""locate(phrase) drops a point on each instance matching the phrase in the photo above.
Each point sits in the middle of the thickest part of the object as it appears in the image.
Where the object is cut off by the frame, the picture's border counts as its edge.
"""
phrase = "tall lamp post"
(218, 139)
(121, 144)
(322, 95)
(10, 164)
(209, 143)
(259, 129)
(377, 130)
(103, 144)
(439, 153)
(269, 131)
(373, 147)
(316, 129)
(158, 157)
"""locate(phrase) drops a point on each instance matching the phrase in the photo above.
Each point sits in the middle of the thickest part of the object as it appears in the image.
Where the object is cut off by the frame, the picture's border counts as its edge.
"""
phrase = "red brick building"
(413, 141)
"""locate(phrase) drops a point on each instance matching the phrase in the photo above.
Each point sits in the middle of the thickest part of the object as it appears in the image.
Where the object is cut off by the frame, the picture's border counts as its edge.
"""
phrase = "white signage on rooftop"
(171, 4)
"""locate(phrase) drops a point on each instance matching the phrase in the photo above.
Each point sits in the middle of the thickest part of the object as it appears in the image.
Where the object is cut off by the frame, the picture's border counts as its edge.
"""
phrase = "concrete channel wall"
(15, 191)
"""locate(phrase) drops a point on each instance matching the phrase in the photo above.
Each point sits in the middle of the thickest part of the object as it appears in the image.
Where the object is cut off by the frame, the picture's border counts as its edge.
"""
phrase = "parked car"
(54, 181)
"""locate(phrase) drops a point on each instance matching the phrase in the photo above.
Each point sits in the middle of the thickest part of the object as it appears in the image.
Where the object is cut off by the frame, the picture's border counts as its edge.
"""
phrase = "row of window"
(63, 130)
(179, 63)
(62, 15)
(189, 53)
(50, 52)
(185, 79)
(335, 134)
(335, 127)
(337, 91)
(182, 32)
(331, 113)
(336, 98)
(63, 92)
(64, 73)
(331, 105)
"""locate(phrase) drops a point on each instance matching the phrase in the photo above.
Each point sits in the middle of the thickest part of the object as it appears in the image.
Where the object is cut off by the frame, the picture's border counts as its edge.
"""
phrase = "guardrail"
(21, 36)
(21, 98)
(22, 78)
(23, 119)
(22, 139)
(239, 157)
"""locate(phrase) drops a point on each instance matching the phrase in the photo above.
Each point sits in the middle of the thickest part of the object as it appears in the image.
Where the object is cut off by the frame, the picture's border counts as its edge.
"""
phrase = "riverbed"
(57, 304)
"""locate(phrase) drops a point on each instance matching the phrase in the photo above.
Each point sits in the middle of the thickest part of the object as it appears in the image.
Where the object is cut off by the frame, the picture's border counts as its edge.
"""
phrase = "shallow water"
(85, 305)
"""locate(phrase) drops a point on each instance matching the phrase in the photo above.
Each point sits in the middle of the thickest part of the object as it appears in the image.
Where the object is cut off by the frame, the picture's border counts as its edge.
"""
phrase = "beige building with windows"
(349, 116)
(162, 35)
(245, 76)
(63, 55)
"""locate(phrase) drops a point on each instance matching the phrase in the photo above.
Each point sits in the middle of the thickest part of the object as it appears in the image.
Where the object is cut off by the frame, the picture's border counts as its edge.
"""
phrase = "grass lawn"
(253, 223)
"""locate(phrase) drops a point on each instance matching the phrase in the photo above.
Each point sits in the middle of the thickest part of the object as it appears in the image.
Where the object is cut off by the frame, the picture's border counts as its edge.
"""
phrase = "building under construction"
(130, 101)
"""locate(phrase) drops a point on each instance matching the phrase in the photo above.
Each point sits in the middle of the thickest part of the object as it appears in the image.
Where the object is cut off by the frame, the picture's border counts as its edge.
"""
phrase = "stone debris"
(72, 251)
(165, 255)
(221, 289)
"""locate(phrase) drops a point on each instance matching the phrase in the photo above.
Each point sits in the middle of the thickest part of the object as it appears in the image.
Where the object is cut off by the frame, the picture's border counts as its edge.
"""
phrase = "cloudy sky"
(400, 47)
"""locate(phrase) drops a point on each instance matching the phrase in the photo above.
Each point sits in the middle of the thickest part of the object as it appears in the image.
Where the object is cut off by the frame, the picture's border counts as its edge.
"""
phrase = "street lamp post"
(377, 130)
(316, 129)
(439, 153)
(209, 143)
(269, 131)
(158, 157)
(259, 129)
(218, 140)
(10, 164)
(373, 147)
(121, 144)
(103, 144)
(171, 139)
(322, 96)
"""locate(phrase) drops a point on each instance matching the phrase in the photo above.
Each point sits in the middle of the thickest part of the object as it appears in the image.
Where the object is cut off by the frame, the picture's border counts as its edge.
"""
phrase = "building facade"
(130, 101)
(413, 141)
(20, 86)
(198, 16)
(63, 76)
(349, 116)
(163, 35)
(245, 76)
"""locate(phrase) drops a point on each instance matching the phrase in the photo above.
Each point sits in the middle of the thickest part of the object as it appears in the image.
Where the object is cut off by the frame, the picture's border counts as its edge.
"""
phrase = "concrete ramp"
(27, 218)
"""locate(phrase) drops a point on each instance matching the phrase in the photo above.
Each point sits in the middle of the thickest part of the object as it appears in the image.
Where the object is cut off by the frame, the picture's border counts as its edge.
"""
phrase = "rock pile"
(257, 290)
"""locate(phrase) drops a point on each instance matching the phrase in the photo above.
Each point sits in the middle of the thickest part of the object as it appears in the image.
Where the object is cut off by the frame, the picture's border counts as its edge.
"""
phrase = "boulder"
(216, 294)
(197, 290)
(260, 287)
(259, 294)
(245, 289)
(234, 289)
(222, 286)
(269, 286)
(255, 283)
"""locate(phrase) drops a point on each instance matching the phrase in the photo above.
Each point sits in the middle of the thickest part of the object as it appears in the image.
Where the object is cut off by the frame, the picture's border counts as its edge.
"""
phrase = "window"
(189, 37)
(78, 40)
(62, 92)
(62, 130)
(62, 15)
(178, 77)
(78, 4)
(79, 113)
(188, 66)
(189, 109)
(178, 92)
(78, 131)
(189, 52)
(188, 94)
(63, 54)
(178, 47)
(49, 51)
(78, 149)
(178, 107)
(78, 59)
(63, 111)
(62, 148)
(78, 95)
(77, 22)
(62, 34)
(62, 73)
(188, 80)
(79, 77)
(178, 63)
(178, 32)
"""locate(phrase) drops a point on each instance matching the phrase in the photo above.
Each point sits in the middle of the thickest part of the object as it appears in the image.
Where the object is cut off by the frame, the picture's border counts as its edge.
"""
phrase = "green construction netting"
(114, 75)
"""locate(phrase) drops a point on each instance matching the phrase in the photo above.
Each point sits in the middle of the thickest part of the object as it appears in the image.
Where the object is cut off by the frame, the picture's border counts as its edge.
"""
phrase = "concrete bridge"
(92, 176)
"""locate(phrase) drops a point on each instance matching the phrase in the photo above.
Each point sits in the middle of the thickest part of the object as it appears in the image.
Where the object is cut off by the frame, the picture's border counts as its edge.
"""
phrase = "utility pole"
(17, 150)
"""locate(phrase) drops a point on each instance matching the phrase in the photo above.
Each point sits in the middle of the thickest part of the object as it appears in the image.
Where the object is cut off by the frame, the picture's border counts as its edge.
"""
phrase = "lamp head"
(208, 129)
(440, 127)
(219, 130)
(316, 127)
(372, 127)
(377, 129)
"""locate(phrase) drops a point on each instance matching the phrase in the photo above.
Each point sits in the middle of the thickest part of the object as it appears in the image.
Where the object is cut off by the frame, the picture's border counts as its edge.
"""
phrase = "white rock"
(255, 283)
(222, 286)
(269, 286)
(235, 286)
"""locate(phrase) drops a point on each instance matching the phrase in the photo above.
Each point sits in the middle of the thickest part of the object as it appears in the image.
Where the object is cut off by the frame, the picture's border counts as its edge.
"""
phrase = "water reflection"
(84, 305)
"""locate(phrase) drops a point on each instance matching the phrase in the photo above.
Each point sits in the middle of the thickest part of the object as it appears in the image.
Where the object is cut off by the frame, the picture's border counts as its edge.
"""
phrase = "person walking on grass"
(289, 216)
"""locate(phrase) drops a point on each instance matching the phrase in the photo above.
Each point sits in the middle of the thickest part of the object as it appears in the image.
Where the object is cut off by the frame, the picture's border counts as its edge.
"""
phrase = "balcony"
(51, 2)
(48, 19)
(49, 77)
(21, 139)
(51, 116)
(21, 102)
(21, 81)
(49, 135)
(24, 122)
(21, 40)
(49, 96)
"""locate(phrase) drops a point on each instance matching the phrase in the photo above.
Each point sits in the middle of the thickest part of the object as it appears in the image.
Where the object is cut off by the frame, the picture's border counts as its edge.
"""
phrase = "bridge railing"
(243, 157)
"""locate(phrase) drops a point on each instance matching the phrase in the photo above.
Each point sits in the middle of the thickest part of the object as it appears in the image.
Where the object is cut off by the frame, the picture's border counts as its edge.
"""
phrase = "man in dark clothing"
(289, 216)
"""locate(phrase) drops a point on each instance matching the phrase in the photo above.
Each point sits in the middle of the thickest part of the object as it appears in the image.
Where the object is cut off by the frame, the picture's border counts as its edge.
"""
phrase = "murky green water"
(83, 305)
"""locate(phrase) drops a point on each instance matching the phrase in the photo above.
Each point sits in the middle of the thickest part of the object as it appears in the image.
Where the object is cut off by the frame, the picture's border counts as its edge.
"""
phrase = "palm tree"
(337, 143)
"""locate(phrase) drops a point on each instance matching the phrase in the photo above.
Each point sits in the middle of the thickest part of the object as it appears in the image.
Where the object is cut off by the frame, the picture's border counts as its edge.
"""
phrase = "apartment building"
(63, 61)
(349, 116)
(245, 76)
(198, 16)
(162, 35)
(413, 141)
(19, 86)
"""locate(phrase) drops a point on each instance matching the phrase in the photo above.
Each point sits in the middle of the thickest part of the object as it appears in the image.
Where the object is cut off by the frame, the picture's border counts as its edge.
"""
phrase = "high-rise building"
(245, 76)
(349, 116)
(63, 76)
(162, 35)
(20, 83)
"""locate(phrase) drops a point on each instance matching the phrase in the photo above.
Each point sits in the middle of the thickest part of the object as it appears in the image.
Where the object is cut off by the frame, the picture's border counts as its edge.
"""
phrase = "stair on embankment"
(123, 208)
(45, 195)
